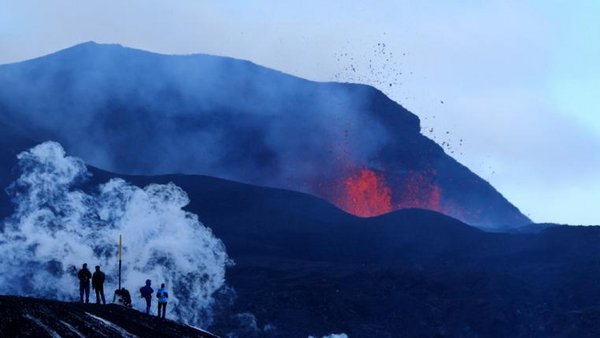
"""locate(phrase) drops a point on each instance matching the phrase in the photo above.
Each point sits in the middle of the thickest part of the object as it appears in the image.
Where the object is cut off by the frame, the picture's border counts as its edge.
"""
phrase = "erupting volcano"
(347, 143)
(366, 193)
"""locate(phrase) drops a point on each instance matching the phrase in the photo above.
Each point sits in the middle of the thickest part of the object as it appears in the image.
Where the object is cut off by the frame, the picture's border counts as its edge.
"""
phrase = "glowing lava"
(419, 190)
(366, 194)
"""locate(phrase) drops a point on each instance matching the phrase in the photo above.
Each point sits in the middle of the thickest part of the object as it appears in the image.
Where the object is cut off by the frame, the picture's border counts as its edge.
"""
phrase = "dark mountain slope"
(304, 267)
(30, 317)
(135, 112)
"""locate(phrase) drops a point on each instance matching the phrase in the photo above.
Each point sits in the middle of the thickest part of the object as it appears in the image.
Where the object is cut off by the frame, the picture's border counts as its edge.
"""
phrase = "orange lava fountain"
(366, 194)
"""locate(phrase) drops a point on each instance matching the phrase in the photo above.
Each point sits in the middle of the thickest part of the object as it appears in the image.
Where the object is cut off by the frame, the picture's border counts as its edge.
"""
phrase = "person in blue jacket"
(163, 298)
(146, 292)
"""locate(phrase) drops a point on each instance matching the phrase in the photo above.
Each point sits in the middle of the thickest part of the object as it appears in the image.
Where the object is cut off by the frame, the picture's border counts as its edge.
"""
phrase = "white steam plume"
(57, 226)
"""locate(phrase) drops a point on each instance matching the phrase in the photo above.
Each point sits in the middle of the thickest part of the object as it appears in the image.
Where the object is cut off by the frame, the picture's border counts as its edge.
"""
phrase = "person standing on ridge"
(163, 298)
(146, 292)
(84, 276)
(98, 284)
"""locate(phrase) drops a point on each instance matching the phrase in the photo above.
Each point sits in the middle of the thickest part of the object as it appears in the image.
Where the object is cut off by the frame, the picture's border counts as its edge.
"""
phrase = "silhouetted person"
(126, 297)
(84, 276)
(123, 297)
(163, 298)
(98, 284)
(146, 292)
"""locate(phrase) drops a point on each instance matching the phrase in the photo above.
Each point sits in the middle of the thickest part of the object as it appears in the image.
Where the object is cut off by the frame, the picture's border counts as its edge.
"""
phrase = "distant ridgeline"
(135, 112)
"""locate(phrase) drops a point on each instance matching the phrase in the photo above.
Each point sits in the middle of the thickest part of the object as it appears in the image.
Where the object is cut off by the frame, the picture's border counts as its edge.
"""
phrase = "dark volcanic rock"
(304, 267)
(30, 317)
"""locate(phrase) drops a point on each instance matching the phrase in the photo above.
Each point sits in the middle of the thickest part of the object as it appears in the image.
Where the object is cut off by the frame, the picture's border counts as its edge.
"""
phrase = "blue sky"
(519, 80)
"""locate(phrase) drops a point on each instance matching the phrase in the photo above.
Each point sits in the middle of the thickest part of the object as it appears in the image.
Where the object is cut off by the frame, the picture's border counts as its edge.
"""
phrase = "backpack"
(162, 294)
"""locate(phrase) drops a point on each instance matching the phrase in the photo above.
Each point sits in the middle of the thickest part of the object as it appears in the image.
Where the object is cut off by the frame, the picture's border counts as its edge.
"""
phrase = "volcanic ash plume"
(57, 227)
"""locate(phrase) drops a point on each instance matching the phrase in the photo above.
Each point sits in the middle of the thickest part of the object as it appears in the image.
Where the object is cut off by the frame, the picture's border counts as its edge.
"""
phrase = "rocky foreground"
(30, 317)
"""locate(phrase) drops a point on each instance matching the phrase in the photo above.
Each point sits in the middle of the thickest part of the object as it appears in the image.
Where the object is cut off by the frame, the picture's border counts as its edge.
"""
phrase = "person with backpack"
(84, 276)
(163, 298)
(98, 284)
(146, 292)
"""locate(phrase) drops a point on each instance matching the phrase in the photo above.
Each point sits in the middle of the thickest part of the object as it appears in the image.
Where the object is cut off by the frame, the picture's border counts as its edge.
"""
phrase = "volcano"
(134, 112)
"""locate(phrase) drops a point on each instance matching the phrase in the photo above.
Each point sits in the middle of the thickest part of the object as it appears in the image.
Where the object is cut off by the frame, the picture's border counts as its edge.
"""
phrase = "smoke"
(333, 335)
(60, 222)
(239, 119)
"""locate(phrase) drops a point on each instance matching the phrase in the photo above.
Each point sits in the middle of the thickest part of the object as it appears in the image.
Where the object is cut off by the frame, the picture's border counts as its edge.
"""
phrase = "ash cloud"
(57, 225)
(228, 116)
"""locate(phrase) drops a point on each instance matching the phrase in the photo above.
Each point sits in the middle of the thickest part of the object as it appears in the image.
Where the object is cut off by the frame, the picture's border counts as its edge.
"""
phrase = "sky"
(510, 88)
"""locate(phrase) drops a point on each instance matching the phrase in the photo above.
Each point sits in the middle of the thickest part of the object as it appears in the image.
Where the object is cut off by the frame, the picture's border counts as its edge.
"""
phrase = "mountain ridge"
(136, 112)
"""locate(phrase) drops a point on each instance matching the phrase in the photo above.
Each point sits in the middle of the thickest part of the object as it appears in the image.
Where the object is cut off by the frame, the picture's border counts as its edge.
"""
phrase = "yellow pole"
(120, 255)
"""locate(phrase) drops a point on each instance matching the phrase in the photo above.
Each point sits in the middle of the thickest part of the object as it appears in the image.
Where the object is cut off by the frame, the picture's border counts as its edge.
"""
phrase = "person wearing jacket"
(98, 284)
(146, 292)
(84, 276)
(163, 298)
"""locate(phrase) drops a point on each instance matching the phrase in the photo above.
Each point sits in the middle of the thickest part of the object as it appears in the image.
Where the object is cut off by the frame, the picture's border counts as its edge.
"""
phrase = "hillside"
(30, 317)
(133, 112)
(304, 267)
